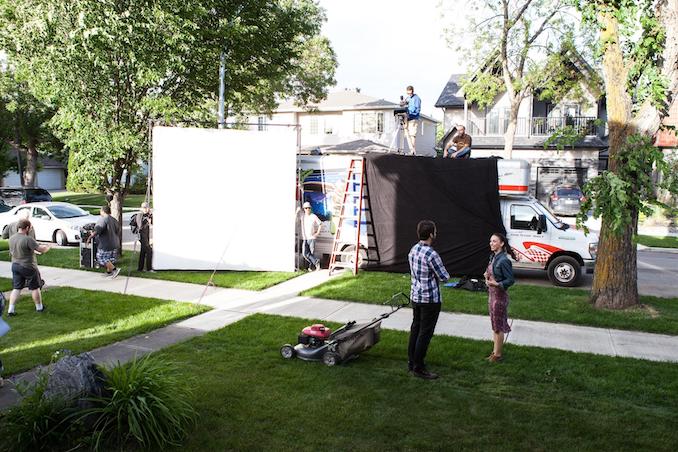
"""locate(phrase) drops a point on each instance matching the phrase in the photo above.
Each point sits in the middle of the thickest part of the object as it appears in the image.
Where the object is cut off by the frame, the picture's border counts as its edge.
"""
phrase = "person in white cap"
(310, 228)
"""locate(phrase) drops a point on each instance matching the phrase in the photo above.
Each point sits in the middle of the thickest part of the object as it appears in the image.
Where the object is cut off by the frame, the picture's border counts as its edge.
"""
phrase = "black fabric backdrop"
(460, 196)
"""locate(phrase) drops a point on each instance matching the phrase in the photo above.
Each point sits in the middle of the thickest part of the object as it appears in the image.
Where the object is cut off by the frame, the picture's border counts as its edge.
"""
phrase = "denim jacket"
(502, 269)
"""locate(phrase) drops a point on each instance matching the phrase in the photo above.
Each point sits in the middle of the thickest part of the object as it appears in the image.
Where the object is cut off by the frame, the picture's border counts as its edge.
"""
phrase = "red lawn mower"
(318, 343)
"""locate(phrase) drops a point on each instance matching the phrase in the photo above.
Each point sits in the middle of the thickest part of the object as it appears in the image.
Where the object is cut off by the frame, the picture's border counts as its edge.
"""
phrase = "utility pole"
(222, 77)
(222, 89)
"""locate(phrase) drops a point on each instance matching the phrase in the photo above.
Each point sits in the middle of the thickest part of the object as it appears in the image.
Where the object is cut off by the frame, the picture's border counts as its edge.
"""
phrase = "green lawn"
(249, 398)
(660, 242)
(5, 284)
(96, 199)
(81, 320)
(549, 304)
(69, 258)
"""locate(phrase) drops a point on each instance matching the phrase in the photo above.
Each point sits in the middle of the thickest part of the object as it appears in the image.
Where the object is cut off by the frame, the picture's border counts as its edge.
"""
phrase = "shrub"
(38, 423)
(145, 402)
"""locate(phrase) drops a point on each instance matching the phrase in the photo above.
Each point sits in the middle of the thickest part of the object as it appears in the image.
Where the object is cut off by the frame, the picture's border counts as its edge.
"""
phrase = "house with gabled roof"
(538, 120)
(348, 116)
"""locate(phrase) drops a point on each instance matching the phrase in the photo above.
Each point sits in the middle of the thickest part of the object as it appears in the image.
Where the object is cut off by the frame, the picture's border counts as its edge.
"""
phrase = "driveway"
(657, 273)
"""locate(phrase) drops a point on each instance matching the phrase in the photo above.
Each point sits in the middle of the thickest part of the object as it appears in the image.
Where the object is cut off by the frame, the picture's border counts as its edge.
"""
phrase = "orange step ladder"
(354, 187)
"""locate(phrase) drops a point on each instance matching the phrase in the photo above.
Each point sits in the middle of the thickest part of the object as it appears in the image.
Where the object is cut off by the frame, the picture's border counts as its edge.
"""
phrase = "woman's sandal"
(489, 358)
(495, 359)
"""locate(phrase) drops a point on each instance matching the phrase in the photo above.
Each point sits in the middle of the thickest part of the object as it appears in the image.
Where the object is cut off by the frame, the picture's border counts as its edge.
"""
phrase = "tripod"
(399, 136)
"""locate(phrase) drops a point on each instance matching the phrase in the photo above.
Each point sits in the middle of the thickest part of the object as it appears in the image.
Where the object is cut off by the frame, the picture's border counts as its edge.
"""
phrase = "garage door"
(51, 179)
(549, 177)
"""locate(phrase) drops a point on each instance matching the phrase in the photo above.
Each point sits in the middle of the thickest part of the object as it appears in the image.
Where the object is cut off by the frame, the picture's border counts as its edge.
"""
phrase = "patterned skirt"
(498, 306)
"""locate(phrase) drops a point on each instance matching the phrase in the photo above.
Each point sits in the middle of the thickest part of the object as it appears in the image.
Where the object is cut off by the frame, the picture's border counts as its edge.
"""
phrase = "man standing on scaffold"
(413, 103)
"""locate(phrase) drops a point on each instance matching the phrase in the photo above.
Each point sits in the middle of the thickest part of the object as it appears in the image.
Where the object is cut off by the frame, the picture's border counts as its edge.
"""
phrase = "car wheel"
(564, 271)
(330, 359)
(287, 351)
(60, 238)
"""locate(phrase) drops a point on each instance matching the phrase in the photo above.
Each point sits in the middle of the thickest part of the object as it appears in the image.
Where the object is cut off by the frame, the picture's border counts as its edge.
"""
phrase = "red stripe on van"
(513, 187)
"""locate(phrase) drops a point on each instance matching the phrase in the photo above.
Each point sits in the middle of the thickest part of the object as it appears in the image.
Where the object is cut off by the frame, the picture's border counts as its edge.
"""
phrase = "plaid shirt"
(427, 269)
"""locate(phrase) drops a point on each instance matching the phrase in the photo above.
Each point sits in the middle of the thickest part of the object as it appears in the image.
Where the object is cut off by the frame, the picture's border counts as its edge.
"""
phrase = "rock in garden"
(74, 376)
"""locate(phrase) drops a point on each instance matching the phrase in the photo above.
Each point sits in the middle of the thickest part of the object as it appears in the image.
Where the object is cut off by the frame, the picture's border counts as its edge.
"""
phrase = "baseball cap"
(307, 204)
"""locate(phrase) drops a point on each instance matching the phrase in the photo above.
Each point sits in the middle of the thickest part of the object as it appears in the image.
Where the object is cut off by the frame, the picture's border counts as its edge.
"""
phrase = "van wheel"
(564, 271)
(60, 238)
(362, 255)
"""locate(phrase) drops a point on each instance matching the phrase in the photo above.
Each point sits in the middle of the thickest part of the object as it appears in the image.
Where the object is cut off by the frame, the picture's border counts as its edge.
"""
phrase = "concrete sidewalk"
(231, 305)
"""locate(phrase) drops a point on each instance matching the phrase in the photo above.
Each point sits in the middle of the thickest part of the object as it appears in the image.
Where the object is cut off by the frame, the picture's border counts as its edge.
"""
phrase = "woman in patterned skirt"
(499, 277)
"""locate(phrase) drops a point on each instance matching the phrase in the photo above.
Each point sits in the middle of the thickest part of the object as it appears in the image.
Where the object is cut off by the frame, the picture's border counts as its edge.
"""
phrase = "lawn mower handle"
(394, 304)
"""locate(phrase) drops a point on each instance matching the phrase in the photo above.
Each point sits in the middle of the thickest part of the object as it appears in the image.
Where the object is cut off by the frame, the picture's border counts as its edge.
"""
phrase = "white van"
(539, 239)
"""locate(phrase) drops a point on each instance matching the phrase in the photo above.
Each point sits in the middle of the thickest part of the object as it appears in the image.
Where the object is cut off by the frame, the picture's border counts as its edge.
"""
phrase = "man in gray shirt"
(25, 272)
(106, 231)
(11, 228)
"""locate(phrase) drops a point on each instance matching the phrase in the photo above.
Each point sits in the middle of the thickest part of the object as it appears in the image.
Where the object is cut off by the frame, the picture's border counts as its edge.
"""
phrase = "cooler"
(88, 254)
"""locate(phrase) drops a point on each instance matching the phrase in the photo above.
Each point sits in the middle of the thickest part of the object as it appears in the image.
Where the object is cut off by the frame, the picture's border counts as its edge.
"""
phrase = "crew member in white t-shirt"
(310, 228)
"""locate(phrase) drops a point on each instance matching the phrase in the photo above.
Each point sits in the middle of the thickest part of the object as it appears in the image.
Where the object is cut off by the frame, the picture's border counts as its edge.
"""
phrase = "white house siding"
(336, 127)
(587, 106)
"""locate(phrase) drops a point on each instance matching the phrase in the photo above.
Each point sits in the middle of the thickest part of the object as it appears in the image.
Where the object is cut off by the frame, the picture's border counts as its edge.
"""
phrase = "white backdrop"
(227, 193)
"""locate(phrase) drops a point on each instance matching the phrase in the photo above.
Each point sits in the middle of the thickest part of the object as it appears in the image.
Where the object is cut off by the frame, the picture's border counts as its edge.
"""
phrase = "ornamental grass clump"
(144, 402)
(38, 422)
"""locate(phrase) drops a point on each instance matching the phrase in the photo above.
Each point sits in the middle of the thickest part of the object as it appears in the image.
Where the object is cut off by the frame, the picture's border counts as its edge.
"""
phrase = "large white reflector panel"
(223, 199)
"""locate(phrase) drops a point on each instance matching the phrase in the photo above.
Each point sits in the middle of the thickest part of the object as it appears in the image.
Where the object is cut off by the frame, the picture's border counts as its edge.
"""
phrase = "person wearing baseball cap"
(310, 228)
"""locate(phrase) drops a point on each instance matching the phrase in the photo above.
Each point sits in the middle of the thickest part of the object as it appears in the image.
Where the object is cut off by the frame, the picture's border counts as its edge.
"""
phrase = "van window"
(524, 217)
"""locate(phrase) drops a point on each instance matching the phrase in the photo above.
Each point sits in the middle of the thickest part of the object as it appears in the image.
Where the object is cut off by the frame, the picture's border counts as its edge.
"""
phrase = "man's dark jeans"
(425, 317)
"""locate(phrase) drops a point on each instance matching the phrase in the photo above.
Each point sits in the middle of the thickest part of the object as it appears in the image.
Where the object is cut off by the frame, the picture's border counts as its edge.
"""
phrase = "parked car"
(13, 196)
(566, 200)
(58, 222)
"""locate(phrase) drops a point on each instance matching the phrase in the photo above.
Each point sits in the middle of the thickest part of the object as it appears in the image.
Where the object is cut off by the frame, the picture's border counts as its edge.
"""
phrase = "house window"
(370, 122)
(261, 123)
(313, 129)
(328, 127)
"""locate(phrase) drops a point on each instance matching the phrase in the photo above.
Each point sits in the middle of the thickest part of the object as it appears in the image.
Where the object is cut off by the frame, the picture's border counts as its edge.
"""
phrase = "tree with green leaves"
(640, 78)
(519, 48)
(112, 66)
(24, 122)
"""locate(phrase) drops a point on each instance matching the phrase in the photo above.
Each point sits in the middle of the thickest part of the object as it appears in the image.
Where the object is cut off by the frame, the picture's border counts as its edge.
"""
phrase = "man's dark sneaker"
(40, 311)
(11, 314)
(115, 272)
(425, 374)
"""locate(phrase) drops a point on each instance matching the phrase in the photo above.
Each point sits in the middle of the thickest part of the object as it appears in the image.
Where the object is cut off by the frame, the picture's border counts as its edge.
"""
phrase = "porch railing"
(538, 126)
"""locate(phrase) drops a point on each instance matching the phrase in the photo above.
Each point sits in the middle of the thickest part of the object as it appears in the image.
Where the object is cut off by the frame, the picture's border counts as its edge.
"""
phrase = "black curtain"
(460, 196)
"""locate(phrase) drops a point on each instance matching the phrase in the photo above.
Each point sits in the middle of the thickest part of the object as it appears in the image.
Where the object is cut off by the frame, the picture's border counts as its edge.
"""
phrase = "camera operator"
(413, 104)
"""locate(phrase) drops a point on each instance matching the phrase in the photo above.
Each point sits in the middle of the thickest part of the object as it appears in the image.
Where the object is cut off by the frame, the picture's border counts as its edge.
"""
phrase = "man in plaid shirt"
(427, 271)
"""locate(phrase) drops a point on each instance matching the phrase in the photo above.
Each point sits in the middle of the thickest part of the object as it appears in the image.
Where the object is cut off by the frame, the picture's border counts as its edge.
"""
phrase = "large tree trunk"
(116, 211)
(511, 127)
(31, 172)
(615, 282)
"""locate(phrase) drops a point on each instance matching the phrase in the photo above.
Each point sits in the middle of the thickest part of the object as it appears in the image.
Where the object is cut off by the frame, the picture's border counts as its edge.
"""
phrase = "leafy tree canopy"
(110, 66)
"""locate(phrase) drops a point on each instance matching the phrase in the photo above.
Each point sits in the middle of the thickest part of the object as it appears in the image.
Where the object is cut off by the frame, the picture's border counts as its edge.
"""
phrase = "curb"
(655, 249)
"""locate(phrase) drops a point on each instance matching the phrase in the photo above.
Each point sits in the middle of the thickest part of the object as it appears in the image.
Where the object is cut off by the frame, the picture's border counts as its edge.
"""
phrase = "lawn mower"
(318, 342)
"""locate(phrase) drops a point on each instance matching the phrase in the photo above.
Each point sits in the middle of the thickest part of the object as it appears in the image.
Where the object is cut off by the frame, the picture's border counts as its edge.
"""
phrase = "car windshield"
(67, 211)
(570, 192)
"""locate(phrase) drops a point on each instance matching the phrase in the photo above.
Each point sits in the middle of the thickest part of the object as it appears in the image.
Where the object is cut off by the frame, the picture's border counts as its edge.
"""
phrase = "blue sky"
(384, 45)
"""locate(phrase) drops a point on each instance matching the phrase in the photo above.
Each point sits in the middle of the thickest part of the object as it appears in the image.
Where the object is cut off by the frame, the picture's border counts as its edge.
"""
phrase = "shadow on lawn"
(81, 320)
